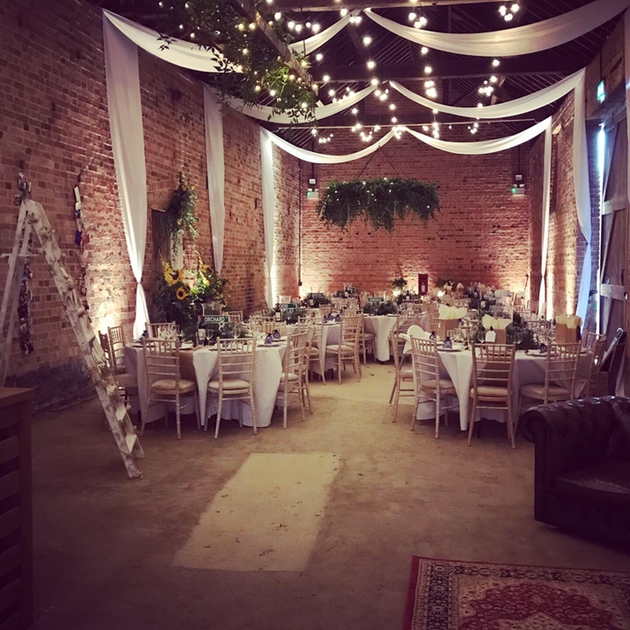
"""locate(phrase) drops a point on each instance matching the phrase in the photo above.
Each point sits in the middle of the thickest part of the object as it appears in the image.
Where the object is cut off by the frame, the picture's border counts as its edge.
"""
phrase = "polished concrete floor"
(105, 546)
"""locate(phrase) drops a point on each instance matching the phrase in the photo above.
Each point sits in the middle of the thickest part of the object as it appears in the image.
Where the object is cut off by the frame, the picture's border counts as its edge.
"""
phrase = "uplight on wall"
(601, 91)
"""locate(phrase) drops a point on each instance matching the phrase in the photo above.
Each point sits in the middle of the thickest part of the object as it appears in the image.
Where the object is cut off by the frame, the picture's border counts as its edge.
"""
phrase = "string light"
(394, 119)
(495, 63)
(428, 69)
(507, 13)
(493, 79)
(371, 65)
(331, 92)
(424, 50)
(431, 93)
(392, 106)
(326, 78)
(343, 12)
(367, 40)
(316, 28)
(298, 28)
(425, 128)
(355, 111)
(314, 131)
(291, 25)
(413, 16)
(374, 81)
(319, 57)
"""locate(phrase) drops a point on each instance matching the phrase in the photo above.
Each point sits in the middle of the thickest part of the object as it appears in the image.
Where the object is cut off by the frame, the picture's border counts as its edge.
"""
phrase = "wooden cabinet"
(16, 515)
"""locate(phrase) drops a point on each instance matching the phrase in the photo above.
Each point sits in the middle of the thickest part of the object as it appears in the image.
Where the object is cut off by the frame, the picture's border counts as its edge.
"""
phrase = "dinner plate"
(275, 344)
(449, 350)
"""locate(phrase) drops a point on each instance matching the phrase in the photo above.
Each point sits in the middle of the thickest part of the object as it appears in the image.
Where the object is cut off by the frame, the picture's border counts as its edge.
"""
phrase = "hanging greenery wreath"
(180, 213)
(249, 66)
(378, 201)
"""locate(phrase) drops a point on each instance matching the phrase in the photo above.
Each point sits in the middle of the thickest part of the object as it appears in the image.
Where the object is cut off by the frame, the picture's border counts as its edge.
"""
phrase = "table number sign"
(215, 321)
(288, 306)
(375, 300)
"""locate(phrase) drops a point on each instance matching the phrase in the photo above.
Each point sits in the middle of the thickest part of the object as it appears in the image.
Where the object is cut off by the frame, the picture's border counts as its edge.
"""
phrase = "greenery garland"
(220, 28)
(378, 201)
(180, 213)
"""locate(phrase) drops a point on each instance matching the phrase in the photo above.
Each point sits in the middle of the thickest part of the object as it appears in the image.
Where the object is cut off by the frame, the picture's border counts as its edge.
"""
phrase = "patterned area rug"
(451, 595)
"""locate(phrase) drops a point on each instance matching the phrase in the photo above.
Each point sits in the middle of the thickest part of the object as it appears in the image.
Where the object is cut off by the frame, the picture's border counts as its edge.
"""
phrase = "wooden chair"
(325, 309)
(366, 339)
(492, 387)
(560, 371)
(164, 381)
(127, 383)
(403, 375)
(306, 359)
(236, 358)
(596, 344)
(292, 378)
(317, 349)
(164, 330)
(117, 343)
(347, 350)
(234, 317)
(430, 386)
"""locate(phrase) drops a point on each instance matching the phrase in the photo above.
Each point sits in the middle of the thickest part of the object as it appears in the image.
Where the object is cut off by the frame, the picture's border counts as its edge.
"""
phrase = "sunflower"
(181, 293)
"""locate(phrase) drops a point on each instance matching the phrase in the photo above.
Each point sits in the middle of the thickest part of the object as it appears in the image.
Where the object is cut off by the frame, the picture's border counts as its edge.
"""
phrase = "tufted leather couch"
(582, 466)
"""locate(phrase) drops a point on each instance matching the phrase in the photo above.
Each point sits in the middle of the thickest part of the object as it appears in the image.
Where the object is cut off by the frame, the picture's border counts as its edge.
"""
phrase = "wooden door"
(614, 230)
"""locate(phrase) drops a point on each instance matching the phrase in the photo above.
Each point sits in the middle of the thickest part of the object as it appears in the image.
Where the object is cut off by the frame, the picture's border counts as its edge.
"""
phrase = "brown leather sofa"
(582, 466)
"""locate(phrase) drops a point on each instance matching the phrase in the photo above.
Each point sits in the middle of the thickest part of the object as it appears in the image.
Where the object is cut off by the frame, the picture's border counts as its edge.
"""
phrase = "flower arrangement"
(181, 293)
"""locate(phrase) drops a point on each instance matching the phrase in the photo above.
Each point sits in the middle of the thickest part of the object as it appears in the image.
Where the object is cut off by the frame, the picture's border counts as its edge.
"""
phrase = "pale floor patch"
(266, 517)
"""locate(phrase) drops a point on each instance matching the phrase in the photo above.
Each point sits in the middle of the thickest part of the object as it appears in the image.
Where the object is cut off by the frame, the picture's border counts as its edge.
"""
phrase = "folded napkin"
(570, 321)
(418, 332)
(451, 312)
(496, 323)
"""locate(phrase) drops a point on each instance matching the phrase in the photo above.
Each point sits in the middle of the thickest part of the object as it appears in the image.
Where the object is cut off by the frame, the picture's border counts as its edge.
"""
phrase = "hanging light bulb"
(377, 92)
(495, 63)
(394, 119)
(298, 28)
(326, 78)
(424, 50)
(509, 17)
(331, 92)
(371, 64)
(425, 127)
(374, 81)
(493, 79)
(377, 128)
(355, 111)
(314, 131)
(272, 92)
(257, 88)
(367, 40)
(319, 57)
(428, 69)
(431, 93)
(392, 106)
(514, 8)
(503, 10)
(423, 21)
(291, 25)
(413, 16)
(343, 12)
(316, 28)
(382, 97)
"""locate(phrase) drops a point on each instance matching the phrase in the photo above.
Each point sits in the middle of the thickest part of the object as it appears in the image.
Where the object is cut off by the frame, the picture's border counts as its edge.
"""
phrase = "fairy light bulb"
(367, 40)
(316, 28)
(428, 69)
(371, 65)
(413, 16)
(326, 78)
(277, 16)
(424, 50)
(496, 63)
(374, 81)
(319, 57)
(343, 12)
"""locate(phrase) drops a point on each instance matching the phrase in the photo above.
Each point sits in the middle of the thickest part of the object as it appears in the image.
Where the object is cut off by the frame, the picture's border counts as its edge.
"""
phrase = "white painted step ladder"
(32, 220)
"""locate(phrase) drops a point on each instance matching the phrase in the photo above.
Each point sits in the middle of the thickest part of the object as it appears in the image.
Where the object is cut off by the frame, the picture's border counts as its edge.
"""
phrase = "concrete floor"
(104, 545)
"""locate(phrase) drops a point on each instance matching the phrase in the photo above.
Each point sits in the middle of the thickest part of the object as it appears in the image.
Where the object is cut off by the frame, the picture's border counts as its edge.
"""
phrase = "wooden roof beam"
(462, 68)
(331, 5)
(283, 50)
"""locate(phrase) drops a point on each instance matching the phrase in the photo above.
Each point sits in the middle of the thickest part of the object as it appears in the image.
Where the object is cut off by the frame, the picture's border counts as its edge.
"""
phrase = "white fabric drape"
(215, 165)
(483, 147)
(518, 106)
(582, 192)
(179, 52)
(320, 158)
(310, 44)
(269, 209)
(542, 296)
(265, 112)
(125, 119)
(520, 40)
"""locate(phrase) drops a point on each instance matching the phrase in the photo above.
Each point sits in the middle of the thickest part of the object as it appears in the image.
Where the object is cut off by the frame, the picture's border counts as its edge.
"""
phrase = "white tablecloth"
(267, 374)
(528, 368)
(380, 326)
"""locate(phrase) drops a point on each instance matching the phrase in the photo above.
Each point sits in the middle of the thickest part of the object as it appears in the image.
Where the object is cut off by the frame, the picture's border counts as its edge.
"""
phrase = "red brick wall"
(480, 234)
(566, 243)
(54, 126)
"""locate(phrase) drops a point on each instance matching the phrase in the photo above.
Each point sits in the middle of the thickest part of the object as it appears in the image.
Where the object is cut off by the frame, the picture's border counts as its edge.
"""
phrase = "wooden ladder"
(32, 220)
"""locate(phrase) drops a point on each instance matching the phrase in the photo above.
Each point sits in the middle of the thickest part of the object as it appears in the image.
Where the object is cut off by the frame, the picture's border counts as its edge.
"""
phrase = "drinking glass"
(201, 336)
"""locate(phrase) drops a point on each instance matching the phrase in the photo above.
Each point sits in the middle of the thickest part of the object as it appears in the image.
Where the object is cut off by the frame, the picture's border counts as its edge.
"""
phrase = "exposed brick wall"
(481, 233)
(286, 237)
(54, 126)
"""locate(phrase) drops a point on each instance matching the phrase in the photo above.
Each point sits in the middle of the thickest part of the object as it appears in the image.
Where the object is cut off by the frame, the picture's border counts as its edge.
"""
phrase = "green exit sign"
(601, 92)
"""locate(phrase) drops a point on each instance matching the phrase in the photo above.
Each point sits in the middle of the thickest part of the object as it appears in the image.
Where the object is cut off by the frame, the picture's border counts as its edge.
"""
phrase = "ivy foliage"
(379, 201)
(180, 214)
(249, 66)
